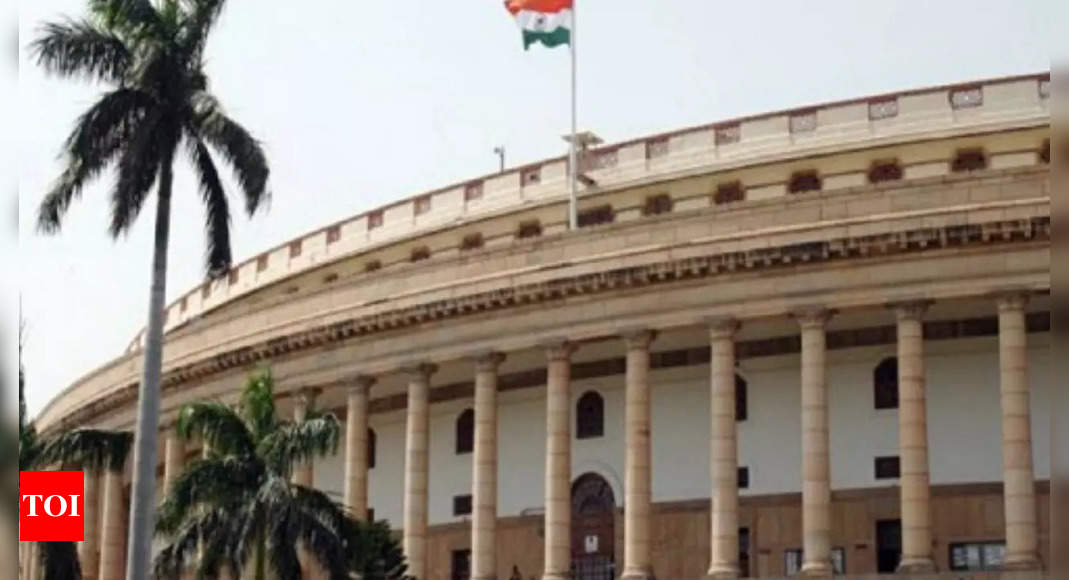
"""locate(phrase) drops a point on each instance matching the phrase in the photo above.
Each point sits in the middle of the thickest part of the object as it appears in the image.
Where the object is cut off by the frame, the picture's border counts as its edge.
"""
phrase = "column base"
(1020, 562)
(915, 566)
(637, 574)
(722, 572)
(556, 576)
(819, 570)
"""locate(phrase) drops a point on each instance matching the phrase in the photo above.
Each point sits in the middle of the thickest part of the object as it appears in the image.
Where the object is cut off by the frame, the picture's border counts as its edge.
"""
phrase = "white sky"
(360, 103)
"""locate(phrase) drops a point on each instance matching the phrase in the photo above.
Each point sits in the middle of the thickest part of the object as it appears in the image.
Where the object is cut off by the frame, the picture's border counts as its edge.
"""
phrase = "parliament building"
(811, 342)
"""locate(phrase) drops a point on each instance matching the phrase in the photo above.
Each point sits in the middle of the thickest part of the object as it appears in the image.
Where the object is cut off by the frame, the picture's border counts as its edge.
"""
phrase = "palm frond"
(374, 552)
(91, 449)
(131, 18)
(95, 141)
(217, 210)
(242, 152)
(59, 561)
(293, 443)
(81, 48)
(218, 425)
(206, 538)
(215, 482)
(202, 15)
(257, 405)
(139, 162)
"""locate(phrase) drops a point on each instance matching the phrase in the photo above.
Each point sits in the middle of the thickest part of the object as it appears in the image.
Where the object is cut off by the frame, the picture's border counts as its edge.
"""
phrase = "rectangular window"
(887, 467)
(473, 191)
(529, 229)
(792, 562)
(460, 566)
(422, 205)
(657, 147)
(261, 263)
(232, 277)
(744, 478)
(975, 556)
(969, 160)
(295, 248)
(657, 204)
(744, 552)
(728, 134)
(803, 181)
(462, 505)
(471, 242)
(596, 216)
(374, 220)
(838, 561)
(728, 193)
(531, 176)
(333, 234)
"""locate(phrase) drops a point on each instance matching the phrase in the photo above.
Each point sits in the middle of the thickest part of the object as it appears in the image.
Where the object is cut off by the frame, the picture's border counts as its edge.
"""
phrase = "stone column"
(416, 467)
(89, 548)
(558, 504)
(913, 442)
(816, 466)
(356, 459)
(174, 455)
(724, 454)
(302, 472)
(113, 530)
(484, 469)
(1019, 490)
(638, 481)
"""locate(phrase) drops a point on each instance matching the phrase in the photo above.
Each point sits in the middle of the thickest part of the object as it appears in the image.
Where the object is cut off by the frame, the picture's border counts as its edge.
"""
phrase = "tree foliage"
(235, 508)
(151, 56)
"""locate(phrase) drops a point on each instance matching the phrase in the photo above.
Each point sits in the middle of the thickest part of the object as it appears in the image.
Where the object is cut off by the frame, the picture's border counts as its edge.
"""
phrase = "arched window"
(885, 384)
(590, 416)
(465, 432)
(371, 443)
(740, 398)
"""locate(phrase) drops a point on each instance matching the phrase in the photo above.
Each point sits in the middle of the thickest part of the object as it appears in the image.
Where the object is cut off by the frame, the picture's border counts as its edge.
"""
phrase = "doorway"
(593, 528)
(888, 545)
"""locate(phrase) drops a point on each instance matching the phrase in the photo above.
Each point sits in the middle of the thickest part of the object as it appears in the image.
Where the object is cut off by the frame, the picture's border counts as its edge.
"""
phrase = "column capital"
(487, 360)
(638, 338)
(910, 309)
(722, 326)
(419, 370)
(558, 348)
(812, 316)
(361, 384)
(1012, 300)
(307, 395)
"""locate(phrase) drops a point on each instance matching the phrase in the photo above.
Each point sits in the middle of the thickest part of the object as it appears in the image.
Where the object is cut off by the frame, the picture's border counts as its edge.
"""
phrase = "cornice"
(924, 239)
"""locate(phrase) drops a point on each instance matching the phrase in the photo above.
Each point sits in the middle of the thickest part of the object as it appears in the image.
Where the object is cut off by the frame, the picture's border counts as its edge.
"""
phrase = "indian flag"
(545, 21)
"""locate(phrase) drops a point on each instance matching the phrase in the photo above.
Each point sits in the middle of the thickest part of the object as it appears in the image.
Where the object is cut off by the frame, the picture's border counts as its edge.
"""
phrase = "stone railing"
(862, 123)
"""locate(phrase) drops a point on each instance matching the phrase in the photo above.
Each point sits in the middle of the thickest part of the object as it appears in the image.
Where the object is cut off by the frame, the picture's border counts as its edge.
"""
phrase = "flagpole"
(572, 162)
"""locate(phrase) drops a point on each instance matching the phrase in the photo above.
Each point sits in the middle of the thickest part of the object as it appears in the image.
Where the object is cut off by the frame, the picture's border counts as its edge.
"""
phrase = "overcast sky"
(360, 103)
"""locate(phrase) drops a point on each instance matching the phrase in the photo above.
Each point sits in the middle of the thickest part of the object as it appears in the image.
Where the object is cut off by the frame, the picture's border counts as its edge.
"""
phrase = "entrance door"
(888, 545)
(593, 533)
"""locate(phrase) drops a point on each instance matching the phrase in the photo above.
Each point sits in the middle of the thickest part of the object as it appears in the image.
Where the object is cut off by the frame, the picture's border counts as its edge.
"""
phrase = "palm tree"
(151, 54)
(87, 449)
(237, 508)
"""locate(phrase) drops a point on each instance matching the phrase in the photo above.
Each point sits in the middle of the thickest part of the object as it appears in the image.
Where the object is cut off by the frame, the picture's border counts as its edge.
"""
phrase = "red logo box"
(51, 506)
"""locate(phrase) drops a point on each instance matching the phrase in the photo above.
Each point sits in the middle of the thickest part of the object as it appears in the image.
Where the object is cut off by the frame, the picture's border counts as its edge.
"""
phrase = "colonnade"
(1019, 497)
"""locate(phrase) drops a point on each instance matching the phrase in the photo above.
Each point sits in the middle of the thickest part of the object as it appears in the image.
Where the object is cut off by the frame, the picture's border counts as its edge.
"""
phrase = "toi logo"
(51, 506)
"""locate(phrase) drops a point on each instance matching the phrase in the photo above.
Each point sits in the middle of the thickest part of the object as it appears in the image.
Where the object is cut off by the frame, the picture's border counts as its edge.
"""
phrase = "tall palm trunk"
(143, 488)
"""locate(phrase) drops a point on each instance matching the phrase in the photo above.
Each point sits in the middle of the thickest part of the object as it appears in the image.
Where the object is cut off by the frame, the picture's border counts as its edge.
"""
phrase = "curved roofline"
(688, 129)
(736, 121)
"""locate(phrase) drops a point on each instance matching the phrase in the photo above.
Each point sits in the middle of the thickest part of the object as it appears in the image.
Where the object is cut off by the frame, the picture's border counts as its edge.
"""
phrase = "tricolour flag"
(545, 21)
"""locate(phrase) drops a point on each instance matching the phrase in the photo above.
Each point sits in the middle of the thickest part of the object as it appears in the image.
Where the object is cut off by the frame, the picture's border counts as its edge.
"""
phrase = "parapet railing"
(868, 122)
